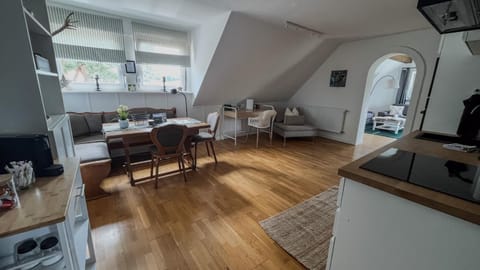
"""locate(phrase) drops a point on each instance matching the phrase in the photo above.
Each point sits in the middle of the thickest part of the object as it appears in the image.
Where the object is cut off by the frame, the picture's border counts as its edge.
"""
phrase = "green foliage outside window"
(85, 72)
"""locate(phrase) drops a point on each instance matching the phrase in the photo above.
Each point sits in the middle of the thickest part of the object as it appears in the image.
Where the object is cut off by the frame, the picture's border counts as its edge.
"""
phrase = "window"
(84, 72)
(95, 47)
(152, 76)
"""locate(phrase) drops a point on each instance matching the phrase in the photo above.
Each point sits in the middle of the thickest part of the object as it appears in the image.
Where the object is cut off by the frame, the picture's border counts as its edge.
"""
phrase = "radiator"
(326, 118)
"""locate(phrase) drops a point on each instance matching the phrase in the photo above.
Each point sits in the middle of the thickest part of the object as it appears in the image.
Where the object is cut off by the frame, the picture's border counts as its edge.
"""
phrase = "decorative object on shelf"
(22, 172)
(41, 63)
(122, 111)
(130, 67)
(96, 82)
(338, 78)
(164, 88)
(8, 193)
(64, 83)
(175, 92)
(132, 87)
(67, 24)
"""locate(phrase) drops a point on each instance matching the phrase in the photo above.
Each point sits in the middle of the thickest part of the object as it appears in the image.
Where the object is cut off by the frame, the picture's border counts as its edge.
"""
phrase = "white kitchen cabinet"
(375, 230)
(67, 220)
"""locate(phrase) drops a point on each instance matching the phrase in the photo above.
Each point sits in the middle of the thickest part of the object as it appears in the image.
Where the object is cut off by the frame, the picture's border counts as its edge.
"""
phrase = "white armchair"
(263, 123)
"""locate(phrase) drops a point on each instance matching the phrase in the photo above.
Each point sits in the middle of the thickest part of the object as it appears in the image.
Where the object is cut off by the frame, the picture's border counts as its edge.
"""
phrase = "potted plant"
(122, 111)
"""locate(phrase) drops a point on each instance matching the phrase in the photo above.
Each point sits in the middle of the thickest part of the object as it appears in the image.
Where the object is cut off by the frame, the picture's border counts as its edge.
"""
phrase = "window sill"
(119, 91)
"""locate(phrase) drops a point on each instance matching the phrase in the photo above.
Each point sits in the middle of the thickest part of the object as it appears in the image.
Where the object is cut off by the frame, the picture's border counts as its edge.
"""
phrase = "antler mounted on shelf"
(68, 24)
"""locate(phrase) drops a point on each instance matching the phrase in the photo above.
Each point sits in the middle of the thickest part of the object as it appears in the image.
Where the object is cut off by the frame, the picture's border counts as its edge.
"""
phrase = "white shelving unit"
(46, 73)
(30, 96)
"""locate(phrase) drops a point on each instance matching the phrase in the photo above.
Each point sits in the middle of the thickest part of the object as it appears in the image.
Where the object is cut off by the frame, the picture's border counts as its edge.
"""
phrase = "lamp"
(380, 79)
(176, 92)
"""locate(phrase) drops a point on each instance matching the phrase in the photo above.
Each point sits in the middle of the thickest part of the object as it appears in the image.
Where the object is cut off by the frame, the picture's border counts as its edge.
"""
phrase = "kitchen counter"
(463, 209)
(45, 203)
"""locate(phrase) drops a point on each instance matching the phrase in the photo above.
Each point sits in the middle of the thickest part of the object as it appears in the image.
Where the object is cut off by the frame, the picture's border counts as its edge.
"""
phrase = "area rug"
(305, 230)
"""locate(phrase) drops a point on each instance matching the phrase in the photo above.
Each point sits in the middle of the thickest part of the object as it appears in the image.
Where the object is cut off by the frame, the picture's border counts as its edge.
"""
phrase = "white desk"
(239, 115)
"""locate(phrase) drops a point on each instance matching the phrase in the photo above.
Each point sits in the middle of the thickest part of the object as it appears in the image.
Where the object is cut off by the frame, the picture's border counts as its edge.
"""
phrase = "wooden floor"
(211, 222)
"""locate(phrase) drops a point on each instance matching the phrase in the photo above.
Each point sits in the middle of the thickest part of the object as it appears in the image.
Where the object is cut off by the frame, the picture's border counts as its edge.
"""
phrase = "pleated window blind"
(97, 38)
(154, 45)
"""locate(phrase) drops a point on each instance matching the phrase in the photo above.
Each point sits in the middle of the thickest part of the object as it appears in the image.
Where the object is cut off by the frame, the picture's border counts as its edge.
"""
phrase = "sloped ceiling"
(335, 17)
(255, 59)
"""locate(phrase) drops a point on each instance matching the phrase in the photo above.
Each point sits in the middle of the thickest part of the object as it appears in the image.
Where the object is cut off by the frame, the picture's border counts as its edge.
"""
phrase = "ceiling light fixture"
(299, 27)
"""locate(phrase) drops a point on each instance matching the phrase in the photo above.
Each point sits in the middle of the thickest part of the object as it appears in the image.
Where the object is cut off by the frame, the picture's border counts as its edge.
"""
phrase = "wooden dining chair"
(207, 137)
(132, 160)
(169, 144)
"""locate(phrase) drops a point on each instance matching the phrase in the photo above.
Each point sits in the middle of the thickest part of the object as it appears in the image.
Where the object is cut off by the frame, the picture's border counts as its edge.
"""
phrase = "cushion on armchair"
(296, 120)
(396, 110)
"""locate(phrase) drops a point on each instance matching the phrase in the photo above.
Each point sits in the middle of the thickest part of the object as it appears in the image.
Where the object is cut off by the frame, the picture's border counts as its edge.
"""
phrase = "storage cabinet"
(73, 232)
(30, 97)
(375, 230)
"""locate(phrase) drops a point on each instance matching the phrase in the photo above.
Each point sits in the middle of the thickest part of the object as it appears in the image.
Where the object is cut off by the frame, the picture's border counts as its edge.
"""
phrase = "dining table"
(138, 134)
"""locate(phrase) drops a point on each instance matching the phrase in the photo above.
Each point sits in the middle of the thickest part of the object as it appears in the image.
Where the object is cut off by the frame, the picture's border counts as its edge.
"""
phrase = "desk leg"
(235, 130)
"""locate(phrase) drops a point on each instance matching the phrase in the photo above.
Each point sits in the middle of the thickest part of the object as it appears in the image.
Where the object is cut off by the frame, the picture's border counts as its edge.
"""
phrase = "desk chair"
(207, 137)
(263, 123)
(169, 143)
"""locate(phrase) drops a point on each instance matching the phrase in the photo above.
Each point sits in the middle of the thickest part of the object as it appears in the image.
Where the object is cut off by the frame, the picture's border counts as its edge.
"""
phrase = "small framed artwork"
(338, 78)
(130, 67)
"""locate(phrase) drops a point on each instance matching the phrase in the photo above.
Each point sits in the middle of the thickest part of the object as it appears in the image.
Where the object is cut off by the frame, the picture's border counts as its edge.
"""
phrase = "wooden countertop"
(442, 202)
(45, 203)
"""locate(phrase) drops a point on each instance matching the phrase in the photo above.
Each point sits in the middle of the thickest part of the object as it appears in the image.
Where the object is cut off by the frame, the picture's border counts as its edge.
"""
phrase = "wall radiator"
(326, 118)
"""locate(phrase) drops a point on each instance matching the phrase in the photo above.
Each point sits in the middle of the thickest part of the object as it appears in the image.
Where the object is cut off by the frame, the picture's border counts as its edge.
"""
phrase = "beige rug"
(304, 231)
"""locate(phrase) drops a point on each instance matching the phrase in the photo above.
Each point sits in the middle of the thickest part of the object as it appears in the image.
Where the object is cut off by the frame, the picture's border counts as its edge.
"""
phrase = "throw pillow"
(79, 125)
(288, 112)
(295, 111)
(396, 110)
(94, 122)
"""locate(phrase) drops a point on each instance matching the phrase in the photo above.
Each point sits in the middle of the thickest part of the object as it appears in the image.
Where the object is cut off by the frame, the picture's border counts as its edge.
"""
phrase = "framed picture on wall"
(338, 78)
(130, 67)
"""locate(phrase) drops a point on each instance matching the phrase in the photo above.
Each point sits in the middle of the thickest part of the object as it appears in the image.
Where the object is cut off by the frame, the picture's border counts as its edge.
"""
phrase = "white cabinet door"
(378, 231)
(60, 136)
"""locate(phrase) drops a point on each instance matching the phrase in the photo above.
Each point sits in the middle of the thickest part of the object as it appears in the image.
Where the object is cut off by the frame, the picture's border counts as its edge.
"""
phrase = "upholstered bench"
(95, 165)
(292, 131)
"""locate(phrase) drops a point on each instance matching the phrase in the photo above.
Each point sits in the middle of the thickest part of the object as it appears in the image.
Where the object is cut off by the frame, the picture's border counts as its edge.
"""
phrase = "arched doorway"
(395, 78)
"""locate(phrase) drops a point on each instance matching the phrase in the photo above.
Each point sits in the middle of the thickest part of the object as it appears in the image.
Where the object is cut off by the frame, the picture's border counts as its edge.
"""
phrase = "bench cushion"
(297, 120)
(295, 127)
(97, 137)
(88, 152)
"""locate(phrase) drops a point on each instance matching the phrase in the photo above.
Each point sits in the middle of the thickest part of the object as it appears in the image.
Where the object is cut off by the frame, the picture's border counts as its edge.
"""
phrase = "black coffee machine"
(35, 148)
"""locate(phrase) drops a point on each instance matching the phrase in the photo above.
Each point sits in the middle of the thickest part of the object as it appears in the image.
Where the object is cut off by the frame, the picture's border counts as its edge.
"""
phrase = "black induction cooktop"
(450, 177)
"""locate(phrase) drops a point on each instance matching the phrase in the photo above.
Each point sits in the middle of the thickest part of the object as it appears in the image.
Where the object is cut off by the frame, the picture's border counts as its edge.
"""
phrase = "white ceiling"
(340, 18)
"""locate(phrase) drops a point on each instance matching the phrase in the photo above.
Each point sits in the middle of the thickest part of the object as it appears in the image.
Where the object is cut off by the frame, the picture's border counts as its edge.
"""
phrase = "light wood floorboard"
(211, 222)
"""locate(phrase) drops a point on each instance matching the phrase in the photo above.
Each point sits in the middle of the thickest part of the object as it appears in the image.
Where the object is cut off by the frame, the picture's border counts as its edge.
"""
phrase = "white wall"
(255, 59)
(457, 77)
(78, 101)
(357, 57)
(205, 39)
